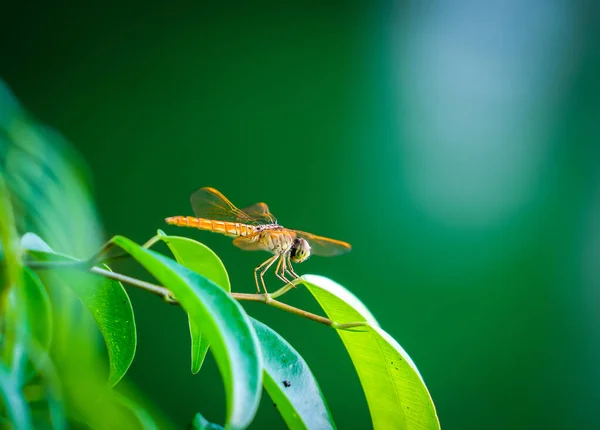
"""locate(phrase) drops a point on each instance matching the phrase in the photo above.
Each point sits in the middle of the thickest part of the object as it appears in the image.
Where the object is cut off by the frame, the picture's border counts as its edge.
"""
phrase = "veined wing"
(209, 203)
(260, 211)
(247, 244)
(324, 246)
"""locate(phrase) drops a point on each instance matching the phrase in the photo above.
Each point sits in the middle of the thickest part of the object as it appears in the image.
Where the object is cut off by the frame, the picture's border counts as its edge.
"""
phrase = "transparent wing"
(260, 211)
(324, 246)
(209, 203)
(245, 244)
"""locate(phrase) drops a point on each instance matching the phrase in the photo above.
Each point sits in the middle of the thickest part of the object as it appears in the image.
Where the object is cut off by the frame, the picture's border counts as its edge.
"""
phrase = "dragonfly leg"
(287, 266)
(256, 274)
(281, 264)
(290, 269)
(266, 266)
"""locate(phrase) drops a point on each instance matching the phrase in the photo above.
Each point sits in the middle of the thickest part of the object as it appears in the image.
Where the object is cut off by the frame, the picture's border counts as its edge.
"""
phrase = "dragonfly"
(256, 229)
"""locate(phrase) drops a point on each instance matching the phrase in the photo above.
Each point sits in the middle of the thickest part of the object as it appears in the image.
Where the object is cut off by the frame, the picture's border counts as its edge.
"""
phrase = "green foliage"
(395, 391)
(68, 330)
(37, 331)
(222, 320)
(18, 413)
(286, 376)
(291, 384)
(54, 371)
(201, 259)
(107, 303)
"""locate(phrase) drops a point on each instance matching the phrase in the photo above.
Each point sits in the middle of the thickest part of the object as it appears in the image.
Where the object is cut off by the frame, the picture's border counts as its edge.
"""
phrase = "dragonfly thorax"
(300, 250)
(266, 227)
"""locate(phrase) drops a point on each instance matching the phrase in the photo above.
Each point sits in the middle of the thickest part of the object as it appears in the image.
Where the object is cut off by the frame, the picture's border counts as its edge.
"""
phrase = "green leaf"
(224, 323)
(105, 299)
(46, 179)
(33, 242)
(291, 384)
(14, 401)
(199, 258)
(28, 325)
(395, 391)
(39, 310)
(202, 260)
(11, 268)
(201, 423)
(301, 404)
(200, 346)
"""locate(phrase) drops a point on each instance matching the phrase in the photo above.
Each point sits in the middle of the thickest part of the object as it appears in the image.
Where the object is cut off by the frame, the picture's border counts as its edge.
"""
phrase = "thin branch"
(301, 312)
(167, 296)
(151, 242)
(163, 292)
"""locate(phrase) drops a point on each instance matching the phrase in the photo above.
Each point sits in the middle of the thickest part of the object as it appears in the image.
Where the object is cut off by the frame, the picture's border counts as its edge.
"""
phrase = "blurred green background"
(454, 144)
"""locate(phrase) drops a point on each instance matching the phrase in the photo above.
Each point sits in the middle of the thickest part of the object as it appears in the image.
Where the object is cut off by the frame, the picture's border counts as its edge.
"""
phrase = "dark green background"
(455, 145)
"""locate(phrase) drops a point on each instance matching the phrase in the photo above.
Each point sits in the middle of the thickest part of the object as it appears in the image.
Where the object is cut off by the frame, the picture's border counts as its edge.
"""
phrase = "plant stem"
(165, 293)
(151, 242)
(155, 289)
(301, 312)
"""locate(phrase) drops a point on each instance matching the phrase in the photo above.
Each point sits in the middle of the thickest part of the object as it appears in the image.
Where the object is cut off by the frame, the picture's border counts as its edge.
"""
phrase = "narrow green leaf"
(39, 310)
(105, 299)
(224, 323)
(28, 325)
(202, 260)
(395, 391)
(201, 423)
(11, 268)
(15, 332)
(291, 384)
(14, 401)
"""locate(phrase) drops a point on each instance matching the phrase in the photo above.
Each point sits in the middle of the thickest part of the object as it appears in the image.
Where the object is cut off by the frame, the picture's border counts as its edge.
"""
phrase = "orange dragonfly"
(256, 229)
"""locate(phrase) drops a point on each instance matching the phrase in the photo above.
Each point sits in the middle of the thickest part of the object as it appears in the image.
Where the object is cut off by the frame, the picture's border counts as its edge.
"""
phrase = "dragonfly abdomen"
(224, 227)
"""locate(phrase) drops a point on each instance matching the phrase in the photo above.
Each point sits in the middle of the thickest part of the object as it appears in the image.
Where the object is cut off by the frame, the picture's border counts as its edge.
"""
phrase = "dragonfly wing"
(209, 203)
(260, 211)
(324, 246)
(247, 245)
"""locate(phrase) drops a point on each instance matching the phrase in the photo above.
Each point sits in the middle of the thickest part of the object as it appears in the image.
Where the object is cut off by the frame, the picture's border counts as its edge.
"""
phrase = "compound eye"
(300, 250)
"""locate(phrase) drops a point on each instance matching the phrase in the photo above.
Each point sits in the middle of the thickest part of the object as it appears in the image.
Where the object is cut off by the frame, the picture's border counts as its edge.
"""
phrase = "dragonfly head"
(300, 250)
